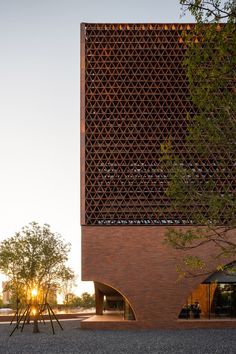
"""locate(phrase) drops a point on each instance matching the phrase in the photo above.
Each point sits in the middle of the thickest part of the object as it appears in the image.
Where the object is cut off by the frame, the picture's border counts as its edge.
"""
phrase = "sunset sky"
(39, 107)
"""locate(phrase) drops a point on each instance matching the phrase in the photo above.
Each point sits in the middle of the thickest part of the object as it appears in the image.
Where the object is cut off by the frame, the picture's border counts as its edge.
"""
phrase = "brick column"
(99, 297)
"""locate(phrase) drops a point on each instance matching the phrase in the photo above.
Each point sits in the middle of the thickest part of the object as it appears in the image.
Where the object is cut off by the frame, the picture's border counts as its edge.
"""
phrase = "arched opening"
(215, 298)
(110, 301)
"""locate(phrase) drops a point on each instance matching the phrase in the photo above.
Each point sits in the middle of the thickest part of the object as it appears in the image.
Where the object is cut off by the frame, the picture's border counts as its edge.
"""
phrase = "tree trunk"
(35, 324)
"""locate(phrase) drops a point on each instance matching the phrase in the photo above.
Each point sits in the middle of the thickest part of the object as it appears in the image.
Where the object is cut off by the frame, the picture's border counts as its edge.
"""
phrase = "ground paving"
(75, 340)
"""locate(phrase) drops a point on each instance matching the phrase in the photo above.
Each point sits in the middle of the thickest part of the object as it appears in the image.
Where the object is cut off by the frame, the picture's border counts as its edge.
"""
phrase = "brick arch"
(108, 289)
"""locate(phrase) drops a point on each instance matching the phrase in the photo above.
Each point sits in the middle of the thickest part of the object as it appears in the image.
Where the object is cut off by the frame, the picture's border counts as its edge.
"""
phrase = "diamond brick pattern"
(136, 96)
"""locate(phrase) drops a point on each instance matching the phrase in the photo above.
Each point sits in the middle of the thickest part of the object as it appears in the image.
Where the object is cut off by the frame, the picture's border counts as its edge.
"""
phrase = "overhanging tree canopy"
(209, 183)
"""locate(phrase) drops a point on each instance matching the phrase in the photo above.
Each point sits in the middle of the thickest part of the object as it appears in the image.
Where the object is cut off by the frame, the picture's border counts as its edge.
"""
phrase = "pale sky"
(39, 107)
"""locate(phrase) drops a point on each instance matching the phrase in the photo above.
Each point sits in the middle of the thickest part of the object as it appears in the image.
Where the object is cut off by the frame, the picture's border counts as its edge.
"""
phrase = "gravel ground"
(74, 340)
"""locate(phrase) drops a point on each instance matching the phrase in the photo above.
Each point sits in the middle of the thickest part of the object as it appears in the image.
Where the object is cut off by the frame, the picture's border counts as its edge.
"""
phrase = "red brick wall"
(134, 261)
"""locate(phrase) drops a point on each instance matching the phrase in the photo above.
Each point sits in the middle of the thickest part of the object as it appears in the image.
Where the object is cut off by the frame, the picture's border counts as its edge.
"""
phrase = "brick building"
(134, 95)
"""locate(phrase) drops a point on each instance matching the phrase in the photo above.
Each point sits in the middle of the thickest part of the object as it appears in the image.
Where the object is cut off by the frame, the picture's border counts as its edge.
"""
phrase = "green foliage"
(210, 64)
(34, 258)
(210, 10)
(70, 299)
(86, 300)
(180, 240)
(194, 262)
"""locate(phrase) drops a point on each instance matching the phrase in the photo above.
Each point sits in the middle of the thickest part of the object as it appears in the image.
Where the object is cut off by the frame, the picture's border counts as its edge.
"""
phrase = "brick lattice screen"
(136, 97)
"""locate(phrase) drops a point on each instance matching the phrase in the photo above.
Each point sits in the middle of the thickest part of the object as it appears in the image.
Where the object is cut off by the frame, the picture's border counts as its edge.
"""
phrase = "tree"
(210, 64)
(69, 299)
(86, 300)
(66, 288)
(210, 10)
(34, 258)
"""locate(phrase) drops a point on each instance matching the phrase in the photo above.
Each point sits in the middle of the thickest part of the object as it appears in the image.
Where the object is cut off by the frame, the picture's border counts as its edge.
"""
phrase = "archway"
(110, 301)
(215, 298)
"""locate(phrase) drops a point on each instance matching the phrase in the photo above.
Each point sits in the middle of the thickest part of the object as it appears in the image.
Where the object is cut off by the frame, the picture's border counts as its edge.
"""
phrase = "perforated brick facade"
(136, 97)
